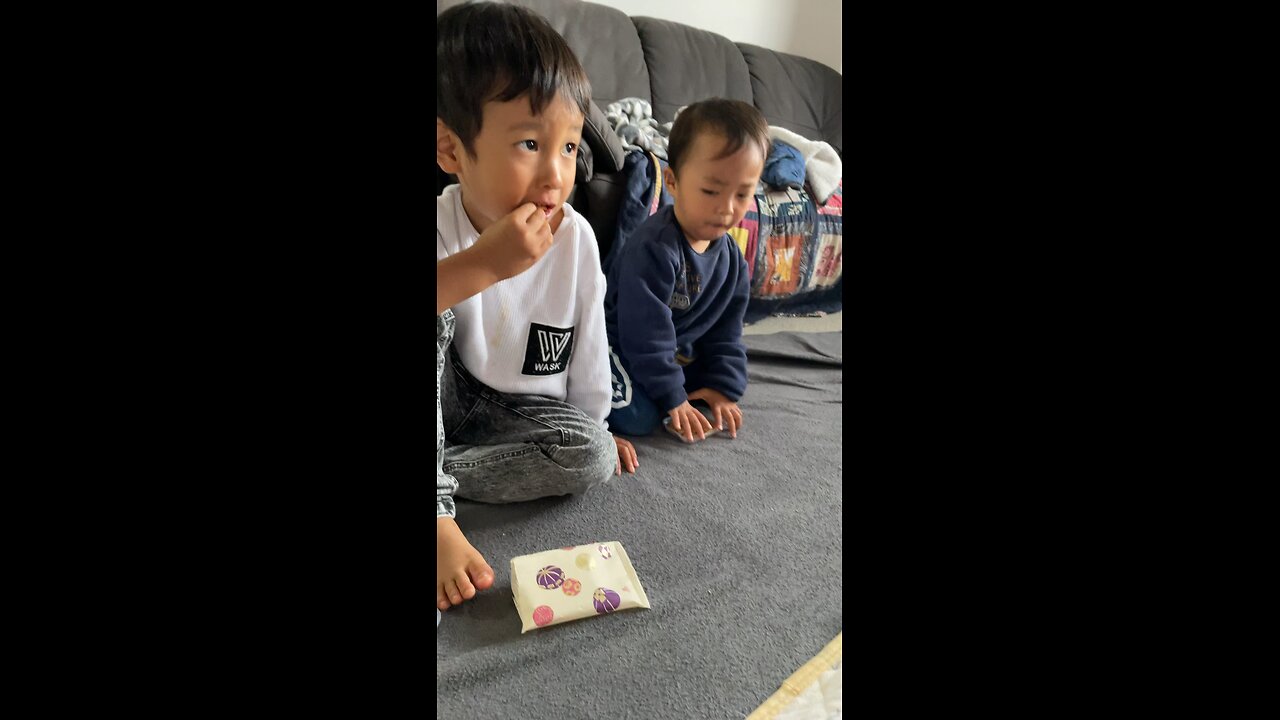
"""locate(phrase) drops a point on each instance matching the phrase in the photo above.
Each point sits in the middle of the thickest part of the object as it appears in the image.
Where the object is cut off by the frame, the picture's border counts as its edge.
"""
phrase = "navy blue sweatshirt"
(666, 306)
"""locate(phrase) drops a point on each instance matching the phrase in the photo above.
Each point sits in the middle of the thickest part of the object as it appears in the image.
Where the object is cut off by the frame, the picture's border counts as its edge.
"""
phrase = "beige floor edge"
(800, 680)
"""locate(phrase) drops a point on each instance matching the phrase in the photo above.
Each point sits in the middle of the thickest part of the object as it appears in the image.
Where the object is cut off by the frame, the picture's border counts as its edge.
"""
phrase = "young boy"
(522, 370)
(677, 295)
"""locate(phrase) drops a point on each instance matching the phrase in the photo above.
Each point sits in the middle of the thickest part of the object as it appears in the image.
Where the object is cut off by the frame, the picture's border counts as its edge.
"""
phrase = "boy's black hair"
(739, 123)
(488, 51)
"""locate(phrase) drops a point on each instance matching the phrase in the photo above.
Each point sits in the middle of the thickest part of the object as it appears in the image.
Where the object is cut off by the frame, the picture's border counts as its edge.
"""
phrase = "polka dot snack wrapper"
(552, 587)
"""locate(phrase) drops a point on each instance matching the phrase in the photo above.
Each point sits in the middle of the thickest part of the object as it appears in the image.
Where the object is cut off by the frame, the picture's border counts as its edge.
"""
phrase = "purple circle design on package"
(605, 552)
(551, 577)
(605, 600)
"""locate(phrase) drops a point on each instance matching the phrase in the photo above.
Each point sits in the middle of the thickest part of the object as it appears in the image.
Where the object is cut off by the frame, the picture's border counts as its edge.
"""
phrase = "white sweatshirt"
(542, 331)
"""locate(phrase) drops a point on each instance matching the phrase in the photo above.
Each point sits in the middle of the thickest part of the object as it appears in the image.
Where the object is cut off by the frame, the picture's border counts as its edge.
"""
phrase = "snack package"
(571, 583)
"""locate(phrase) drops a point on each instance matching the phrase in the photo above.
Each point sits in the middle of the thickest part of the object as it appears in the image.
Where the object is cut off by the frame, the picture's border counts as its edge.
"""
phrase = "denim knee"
(603, 455)
(588, 461)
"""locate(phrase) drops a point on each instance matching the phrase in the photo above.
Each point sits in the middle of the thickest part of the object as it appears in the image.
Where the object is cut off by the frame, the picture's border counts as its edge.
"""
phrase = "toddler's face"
(712, 195)
(521, 158)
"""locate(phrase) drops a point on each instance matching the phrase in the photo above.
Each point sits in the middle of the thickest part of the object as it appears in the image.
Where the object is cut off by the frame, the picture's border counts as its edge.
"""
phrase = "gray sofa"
(672, 65)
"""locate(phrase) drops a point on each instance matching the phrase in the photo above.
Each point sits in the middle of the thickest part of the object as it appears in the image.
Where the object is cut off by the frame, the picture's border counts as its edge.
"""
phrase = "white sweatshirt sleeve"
(589, 387)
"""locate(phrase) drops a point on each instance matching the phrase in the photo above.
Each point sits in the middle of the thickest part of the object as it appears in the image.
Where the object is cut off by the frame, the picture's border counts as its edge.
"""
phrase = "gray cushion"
(605, 145)
(585, 167)
(598, 201)
(602, 37)
(606, 44)
(797, 93)
(687, 64)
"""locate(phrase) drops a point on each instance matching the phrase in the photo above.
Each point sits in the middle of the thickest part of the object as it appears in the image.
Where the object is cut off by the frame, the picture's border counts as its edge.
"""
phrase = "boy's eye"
(570, 148)
(709, 192)
(531, 145)
(742, 196)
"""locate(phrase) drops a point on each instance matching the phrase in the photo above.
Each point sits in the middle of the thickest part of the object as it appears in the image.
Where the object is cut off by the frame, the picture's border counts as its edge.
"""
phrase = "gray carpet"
(736, 542)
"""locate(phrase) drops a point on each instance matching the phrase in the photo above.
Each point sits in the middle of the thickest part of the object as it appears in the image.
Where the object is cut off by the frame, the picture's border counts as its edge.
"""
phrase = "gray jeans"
(498, 448)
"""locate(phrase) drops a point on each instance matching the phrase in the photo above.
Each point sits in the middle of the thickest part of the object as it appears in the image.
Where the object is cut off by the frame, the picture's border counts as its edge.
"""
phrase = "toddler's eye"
(742, 196)
(570, 148)
(709, 192)
(531, 145)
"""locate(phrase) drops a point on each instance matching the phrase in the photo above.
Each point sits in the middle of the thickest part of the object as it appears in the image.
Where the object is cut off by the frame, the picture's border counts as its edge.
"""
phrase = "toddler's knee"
(635, 421)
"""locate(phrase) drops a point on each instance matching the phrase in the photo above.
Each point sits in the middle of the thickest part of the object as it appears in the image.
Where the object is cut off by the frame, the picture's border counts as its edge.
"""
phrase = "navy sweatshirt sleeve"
(720, 350)
(646, 334)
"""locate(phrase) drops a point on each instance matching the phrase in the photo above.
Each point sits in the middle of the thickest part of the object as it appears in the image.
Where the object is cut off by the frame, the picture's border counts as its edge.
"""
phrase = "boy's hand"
(728, 414)
(514, 243)
(626, 456)
(687, 421)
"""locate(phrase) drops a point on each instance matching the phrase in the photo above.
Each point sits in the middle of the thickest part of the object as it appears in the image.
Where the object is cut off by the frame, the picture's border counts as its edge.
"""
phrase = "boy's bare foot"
(460, 568)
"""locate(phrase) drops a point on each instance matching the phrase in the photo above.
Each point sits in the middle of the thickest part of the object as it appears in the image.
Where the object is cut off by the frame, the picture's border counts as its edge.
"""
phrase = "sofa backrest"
(671, 65)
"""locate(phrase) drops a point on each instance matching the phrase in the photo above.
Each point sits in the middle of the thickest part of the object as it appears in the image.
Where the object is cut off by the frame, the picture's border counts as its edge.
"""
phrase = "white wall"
(808, 28)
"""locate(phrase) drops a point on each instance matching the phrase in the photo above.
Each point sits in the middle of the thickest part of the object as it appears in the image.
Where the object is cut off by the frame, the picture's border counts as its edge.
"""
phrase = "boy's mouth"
(547, 210)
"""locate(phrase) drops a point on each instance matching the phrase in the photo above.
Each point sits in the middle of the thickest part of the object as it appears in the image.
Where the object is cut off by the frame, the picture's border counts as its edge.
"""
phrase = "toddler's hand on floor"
(687, 421)
(728, 414)
(514, 243)
(626, 455)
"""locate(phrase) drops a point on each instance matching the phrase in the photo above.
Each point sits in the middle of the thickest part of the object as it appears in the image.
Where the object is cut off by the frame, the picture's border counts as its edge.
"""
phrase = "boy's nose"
(552, 175)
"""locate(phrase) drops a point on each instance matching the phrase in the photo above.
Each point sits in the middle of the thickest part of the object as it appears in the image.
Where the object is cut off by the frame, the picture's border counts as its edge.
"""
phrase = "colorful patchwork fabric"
(791, 245)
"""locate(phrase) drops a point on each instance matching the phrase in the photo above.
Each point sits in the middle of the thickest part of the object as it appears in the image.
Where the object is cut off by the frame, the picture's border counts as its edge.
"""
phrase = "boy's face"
(712, 195)
(519, 158)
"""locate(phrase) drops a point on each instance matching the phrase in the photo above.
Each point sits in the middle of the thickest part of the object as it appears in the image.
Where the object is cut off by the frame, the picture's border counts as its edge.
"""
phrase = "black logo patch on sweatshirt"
(548, 351)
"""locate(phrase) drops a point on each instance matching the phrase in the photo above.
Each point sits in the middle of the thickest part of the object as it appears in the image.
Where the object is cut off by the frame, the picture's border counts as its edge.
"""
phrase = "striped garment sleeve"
(445, 487)
(446, 484)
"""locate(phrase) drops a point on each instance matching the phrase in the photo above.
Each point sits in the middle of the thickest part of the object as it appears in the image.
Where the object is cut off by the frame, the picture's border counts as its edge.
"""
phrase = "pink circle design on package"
(569, 548)
(605, 552)
(550, 577)
(605, 600)
(571, 587)
(542, 615)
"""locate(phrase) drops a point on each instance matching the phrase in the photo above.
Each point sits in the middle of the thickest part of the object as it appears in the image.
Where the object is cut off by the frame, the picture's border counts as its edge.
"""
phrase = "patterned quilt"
(792, 246)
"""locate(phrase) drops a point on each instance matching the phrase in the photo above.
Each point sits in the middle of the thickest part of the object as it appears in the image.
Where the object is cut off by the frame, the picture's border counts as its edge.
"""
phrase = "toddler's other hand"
(728, 414)
(687, 421)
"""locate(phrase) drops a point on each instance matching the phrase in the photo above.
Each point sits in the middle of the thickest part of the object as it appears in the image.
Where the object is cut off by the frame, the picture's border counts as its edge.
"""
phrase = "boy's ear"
(448, 148)
(669, 177)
